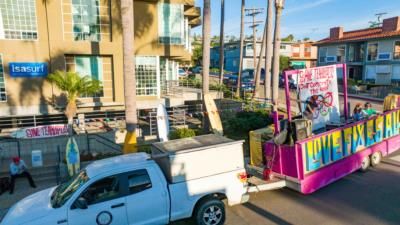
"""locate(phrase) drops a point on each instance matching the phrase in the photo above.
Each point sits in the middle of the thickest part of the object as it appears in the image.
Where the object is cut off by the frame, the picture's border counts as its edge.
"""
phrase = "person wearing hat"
(18, 169)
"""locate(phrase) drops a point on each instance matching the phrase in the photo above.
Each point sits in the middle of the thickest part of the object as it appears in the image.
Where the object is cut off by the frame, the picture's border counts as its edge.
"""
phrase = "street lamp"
(275, 65)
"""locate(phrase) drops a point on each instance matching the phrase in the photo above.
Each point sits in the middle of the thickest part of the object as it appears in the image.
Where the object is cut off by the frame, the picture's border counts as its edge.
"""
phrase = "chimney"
(391, 24)
(336, 33)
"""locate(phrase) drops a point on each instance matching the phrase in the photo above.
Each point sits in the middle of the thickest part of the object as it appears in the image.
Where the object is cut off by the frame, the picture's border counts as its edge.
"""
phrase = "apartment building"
(303, 55)
(232, 55)
(371, 55)
(85, 36)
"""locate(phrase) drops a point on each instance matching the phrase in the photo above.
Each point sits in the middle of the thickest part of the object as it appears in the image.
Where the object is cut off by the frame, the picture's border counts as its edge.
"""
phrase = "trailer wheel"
(210, 211)
(376, 158)
(365, 164)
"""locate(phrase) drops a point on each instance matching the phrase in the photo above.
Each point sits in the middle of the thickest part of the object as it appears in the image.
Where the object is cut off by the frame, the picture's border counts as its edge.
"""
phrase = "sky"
(304, 18)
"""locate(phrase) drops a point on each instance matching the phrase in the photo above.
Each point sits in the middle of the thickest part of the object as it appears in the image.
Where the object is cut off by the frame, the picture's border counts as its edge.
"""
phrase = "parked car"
(197, 69)
(182, 73)
(183, 178)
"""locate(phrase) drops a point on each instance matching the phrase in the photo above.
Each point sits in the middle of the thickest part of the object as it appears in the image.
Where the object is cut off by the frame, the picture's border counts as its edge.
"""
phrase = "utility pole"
(268, 52)
(253, 12)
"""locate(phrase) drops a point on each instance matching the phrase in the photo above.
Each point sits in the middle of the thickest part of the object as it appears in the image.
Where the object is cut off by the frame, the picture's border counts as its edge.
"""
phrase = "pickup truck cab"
(131, 189)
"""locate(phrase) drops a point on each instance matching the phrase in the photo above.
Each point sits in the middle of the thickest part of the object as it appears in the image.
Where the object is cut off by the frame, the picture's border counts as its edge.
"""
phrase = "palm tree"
(221, 43)
(238, 83)
(74, 86)
(127, 17)
(275, 66)
(206, 54)
(257, 77)
(268, 52)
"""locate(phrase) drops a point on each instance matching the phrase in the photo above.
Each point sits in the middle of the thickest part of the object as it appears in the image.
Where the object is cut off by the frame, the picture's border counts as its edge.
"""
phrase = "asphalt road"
(359, 198)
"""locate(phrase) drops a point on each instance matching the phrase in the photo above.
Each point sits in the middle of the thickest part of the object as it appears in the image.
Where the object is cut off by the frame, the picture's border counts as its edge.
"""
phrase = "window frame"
(160, 12)
(319, 54)
(4, 77)
(337, 53)
(122, 190)
(132, 173)
(394, 50)
(377, 51)
(36, 25)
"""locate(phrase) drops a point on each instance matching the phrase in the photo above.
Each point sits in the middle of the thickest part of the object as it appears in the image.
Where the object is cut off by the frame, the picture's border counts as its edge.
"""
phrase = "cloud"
(306, 6)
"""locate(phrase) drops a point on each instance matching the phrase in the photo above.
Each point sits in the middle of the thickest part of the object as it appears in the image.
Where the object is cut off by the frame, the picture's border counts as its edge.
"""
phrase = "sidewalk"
(22, 189)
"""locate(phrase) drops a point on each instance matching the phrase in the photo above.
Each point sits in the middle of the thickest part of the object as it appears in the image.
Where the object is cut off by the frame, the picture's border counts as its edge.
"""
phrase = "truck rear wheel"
(210, 211)
(365, 163)
(376, 158)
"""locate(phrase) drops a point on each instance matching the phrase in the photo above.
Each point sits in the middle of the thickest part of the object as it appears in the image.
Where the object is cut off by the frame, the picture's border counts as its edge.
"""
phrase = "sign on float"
(25, 69)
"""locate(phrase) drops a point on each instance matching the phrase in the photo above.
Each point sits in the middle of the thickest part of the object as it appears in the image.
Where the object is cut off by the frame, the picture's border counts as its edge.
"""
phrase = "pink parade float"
(328, 145)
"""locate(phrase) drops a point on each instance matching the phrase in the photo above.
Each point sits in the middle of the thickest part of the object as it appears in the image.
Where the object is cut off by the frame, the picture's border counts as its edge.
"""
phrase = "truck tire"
(365, 163)
(210, 211)
(376, 158)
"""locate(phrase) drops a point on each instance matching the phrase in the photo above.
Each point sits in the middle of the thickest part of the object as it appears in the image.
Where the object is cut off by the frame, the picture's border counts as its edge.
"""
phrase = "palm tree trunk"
(127, 16)
(257, 77)
(268, 53)
(221, 44)
(70, 112)
(206, 54)
(238, 83)
(275, 67)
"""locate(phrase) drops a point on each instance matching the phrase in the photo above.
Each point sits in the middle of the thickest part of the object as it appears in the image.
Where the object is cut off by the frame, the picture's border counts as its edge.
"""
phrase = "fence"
(176, 118)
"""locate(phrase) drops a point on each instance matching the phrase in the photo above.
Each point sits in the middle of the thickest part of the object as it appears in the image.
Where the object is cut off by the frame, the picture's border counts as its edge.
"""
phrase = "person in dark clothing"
(311, 106)
(18, 169)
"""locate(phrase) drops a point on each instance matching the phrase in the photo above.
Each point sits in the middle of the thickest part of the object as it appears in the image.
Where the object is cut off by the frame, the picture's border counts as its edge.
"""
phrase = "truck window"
(139, 180)
(103, 190)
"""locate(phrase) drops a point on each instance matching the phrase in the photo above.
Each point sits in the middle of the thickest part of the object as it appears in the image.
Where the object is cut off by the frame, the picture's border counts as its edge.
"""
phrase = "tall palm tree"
(275, 66)
(206, 54)
(73, 85)
(238, 83)
(268, 52)
(206, 45)
(257, 77)
(221, 43)
(127, 17)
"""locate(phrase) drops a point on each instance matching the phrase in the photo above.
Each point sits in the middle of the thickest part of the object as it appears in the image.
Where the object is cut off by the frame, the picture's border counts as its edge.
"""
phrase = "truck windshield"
(65, 190)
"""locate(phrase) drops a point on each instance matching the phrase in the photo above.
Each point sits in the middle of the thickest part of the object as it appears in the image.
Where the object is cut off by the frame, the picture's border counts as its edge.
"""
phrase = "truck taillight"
(242, 177)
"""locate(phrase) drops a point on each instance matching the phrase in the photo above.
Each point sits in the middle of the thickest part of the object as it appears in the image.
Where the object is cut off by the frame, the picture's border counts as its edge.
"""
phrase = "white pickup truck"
(181, 179)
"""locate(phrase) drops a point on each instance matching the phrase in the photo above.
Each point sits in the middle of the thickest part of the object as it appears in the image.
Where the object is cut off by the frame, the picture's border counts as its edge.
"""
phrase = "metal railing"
(176, 118)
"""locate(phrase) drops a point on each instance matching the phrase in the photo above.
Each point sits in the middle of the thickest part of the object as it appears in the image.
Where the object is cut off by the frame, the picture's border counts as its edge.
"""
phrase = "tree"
(290, 37)
(197, 55)
(275, 65)
(127, 18)
(73, 85)
(221, 44)
(306, 39)
(268, 53)
(238, 82)
(284, 62)
(206, 50)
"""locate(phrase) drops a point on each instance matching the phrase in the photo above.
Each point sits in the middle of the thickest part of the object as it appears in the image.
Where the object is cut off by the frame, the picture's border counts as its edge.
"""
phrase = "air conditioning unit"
(384, 56)
(331, 59)
(384, 69)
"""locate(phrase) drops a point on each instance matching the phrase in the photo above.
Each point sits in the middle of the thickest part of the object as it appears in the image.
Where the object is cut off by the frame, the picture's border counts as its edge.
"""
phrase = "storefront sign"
(324, 150)
(24, 69)
(42, 131)
(318, 88)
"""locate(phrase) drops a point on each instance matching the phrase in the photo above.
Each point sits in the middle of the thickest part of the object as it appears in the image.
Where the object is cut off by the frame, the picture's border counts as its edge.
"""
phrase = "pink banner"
(41, 131)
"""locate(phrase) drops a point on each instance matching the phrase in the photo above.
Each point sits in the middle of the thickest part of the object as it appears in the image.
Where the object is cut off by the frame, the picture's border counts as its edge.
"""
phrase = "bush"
(246, 121)
(182, 133)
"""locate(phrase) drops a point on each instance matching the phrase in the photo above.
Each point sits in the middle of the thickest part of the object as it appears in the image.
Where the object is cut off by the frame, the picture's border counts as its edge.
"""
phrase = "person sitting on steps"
(18, 169)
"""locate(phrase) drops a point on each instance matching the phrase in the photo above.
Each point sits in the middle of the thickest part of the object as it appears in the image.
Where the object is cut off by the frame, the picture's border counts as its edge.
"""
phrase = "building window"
(341, 54)
(96, 67)
(18, 19)
(283, 47)
(372, 52)
(396, 54)
(146, 75)
(3, 96)
(171, 27)
(86, 20)
(322, 54)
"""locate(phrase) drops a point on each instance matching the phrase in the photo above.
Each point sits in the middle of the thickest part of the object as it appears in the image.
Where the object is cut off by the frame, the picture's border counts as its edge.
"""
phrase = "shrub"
(182, 133)
(246, 121)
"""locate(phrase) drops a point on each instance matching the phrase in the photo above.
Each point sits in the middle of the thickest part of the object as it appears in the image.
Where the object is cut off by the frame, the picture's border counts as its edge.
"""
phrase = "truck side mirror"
(81, 203)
